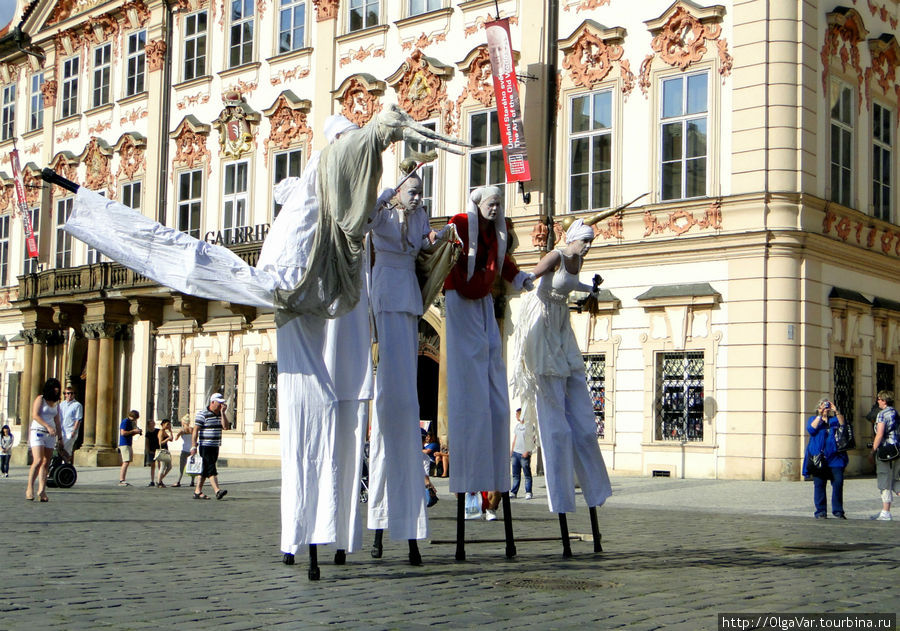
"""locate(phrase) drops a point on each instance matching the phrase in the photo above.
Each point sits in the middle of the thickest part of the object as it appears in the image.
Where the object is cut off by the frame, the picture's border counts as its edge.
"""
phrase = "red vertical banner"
(30, 241)
(509, 108)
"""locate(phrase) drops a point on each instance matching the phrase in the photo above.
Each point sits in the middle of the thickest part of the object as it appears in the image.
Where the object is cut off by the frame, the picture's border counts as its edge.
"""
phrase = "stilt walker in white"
(478, 405)
(549, 378)
(311, 271)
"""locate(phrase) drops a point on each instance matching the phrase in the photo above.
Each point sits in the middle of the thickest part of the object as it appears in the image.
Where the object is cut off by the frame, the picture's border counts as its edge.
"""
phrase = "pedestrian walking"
(163, 456)
(128, 429)
(885, 449)
(151, 445)
(185, 435)
(45, 430)
(71, 413)
(823, 461)
(207, 438)
(6, 443)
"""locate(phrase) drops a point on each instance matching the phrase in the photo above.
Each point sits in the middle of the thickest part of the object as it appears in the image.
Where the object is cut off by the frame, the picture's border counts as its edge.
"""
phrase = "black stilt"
(340, 557)
(377, 547)
(287, 558)
(507, 525)
(564, 531)
(460, 526)
(414, 557)
(595, 530)
(313, 563)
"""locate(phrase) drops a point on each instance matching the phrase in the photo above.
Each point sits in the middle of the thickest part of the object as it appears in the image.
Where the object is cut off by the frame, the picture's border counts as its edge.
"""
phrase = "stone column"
(105, 385)
(90, 392)
(25, 399)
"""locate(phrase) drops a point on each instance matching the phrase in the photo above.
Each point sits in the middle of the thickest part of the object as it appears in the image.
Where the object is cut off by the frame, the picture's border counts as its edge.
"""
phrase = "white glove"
(386, 196)
(528, 282)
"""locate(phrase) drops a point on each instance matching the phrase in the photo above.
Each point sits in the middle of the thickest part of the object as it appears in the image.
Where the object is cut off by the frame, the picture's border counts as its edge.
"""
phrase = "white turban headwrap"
(337, 124)
(579, 232)
(477, 196)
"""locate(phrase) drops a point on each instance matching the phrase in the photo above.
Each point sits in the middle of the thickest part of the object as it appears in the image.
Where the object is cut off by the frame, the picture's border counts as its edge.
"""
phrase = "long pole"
(551, 33)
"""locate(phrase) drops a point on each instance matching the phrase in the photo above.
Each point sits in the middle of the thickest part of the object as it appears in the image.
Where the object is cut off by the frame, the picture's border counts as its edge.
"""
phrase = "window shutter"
(12, 396)
(262, 393)
(162, 392)
(184, 391)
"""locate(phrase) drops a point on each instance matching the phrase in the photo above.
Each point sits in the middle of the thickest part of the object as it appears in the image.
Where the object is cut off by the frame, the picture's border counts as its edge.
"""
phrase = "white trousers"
(396, 481)
(565, 417)
(478, 404)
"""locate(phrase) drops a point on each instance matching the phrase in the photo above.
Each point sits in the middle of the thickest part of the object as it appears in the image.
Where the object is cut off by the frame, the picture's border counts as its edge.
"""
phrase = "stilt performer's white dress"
(549, 378)
(396, 483)
(310, 271)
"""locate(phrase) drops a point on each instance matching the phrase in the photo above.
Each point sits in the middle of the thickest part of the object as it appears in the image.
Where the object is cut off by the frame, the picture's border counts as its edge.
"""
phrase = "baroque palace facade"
(760, 272)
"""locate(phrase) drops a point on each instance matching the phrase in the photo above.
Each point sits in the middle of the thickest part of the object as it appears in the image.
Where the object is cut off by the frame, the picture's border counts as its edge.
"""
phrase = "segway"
(60, 473)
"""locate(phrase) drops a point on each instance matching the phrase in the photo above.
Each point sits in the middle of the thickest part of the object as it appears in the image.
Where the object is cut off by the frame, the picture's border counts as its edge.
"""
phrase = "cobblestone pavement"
(676, 553)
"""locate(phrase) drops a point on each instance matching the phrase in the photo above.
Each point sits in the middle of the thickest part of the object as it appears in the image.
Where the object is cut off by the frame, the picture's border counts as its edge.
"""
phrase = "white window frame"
(235, 202)
(243, 47)
(493, 151)
(193, 202)
(285, 164)
(426, 172)
(63, 238)
(841, 171)
(102, 88)
(690, 399)
(684, 119)
(591, 133)
(8, 126)
(36, 102)
(288, 38)
(195, 63)
(71, 68)
(361, 7)
(882, 151)
(427, 6)
(136, 63)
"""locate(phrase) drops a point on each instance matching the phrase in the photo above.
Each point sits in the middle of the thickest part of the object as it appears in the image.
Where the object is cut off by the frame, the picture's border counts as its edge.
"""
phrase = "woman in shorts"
(45, 429)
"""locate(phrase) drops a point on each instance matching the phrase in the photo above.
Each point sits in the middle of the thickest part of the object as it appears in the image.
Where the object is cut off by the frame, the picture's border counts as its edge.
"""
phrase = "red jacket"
(485, 272)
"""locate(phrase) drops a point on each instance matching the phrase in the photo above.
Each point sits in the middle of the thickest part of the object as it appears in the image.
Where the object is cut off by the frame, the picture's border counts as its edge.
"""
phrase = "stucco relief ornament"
(539, 235)
(100, 29)
(591, 60)
(131, 160)
(885, 52)
(234, 125)
(287, 125)
(420, 91)
(156, 54)
(66, 167)
(67, 8)
(5, 196)
(682, 41)
(845, 31)
(190, 149)
(480, 84)
(586, 5)
(48, 90)
(98, 172)
(358, 104)
(326, 9)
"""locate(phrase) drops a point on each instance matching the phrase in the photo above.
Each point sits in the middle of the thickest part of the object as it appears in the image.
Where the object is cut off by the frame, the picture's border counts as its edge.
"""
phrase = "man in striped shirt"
(207, 435)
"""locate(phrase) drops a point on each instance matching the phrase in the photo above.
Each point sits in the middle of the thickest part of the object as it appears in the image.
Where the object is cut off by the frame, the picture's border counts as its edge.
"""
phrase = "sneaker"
(151, 483)
(821, 516)
(123, 483)
(882, 516)
(490, 515)
(528, 496)
(840, 516)
(432, 497)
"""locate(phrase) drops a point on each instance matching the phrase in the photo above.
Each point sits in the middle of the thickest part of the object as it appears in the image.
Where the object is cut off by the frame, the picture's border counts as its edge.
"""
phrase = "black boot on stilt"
(414, 557)
(460, 526)
(313, 572)
(377, 547)
(564, 532)
(507, 526)
(287, 558)
(340, 557)
(595, 530)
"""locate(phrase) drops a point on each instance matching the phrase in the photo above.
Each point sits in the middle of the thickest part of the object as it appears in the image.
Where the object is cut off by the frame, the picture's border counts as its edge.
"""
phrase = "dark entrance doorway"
(427, 383)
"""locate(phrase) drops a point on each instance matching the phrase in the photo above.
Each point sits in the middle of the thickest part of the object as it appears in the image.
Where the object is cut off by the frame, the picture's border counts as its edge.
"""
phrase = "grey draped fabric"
(434, 264)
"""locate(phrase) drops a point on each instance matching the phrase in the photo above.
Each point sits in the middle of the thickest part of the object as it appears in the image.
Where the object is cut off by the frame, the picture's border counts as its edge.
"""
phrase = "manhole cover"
(554, 584)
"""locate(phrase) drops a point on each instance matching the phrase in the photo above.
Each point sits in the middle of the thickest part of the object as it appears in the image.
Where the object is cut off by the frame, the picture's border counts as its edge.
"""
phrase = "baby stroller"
(61, 474)
(364, 478)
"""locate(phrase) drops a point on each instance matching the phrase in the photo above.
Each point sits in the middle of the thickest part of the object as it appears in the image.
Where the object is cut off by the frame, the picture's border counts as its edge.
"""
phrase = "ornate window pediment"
(845, 32)
(96, 157)
(680, 38)
(358, 95)
(131, 147)
(590, 53)
(420, 82)
(288, 122)
(190, 144)
(885, 53)
(65, 163)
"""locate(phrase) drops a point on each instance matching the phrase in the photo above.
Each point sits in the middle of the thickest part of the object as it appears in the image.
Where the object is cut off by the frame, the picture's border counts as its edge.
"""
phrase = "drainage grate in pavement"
(554, 584)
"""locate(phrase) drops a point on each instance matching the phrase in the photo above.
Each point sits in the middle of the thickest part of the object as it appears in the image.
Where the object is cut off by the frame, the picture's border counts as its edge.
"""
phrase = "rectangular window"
(4, 250)
(8, 125)
(267, 396)
(363, 14)
(590, 152)
(102, 73)
(235, 198)
(32, 265)
(679, 397)
(882, 162)
(173, 390)
(195, 46)
(287, 164)
(223, 378)
(36, 119)
(291, 25)
(841, 143)
(845, 386)
(69, 106)
(12, 396)
(486, 155)
(884, 377)
(63, 238)
(684, 116)
(417, 7)
(131, 195)
(240, 46)
(135, 64)
(190, 201)
(426, 172)
(595, 372)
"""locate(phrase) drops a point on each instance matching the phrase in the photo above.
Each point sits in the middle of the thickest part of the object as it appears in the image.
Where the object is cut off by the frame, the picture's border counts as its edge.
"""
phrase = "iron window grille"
(595, 373)
(679, 396)
(884, 377)
(267, 396)
(844, 386)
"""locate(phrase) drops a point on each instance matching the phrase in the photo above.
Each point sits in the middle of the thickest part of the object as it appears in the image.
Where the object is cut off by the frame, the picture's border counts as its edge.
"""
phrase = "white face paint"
(410, 195)
(489, 208)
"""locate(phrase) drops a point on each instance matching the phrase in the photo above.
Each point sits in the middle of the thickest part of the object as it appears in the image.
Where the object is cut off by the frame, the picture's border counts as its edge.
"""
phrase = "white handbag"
(194, 465)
